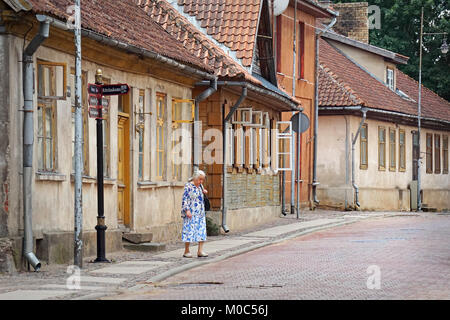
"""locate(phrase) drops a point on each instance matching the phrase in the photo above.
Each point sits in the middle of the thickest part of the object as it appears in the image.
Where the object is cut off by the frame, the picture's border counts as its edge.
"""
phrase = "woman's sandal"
(202, 255)
(187, 255)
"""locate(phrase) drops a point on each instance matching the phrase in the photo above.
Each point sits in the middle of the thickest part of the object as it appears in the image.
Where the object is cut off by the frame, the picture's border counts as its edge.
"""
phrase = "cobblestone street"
(412, 253)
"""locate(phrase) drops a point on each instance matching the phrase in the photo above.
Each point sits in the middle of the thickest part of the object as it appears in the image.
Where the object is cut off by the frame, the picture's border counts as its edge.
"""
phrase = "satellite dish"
(279, 6)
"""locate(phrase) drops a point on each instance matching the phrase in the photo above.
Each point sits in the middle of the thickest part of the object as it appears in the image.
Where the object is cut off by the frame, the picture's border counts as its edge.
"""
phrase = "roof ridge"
(341, 84)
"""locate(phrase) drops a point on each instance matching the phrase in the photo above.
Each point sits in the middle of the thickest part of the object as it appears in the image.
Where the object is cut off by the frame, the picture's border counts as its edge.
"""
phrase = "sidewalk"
(132, 270)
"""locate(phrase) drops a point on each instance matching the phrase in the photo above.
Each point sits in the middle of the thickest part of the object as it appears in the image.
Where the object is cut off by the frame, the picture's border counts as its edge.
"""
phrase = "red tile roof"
(231, 22)
(344, 83)
(194, 40)
(122, 20)
(433, 105)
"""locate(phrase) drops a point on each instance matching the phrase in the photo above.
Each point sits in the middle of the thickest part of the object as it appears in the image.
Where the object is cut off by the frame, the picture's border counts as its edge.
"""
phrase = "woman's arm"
(186, 202)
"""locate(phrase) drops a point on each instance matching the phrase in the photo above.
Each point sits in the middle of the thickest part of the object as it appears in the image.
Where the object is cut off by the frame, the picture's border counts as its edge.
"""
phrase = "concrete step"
(145, 247)
(135, 237)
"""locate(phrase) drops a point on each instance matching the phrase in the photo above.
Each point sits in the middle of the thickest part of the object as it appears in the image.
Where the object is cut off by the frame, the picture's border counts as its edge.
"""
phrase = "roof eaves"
(327, 12)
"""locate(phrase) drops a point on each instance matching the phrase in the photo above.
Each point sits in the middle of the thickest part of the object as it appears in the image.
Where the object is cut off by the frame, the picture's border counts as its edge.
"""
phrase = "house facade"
(368, 121)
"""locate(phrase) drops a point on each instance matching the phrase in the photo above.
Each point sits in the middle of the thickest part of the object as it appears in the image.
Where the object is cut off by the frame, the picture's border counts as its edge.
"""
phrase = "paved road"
(412, 255)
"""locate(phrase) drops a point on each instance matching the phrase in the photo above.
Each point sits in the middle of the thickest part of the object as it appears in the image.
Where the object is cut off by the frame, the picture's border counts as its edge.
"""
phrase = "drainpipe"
(355, 138)
(294, 82)
(28, 140)
(316, 109)
(226, 120)
(202, 96)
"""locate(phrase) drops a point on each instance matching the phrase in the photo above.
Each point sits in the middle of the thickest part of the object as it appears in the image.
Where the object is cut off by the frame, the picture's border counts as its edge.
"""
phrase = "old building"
(177, 74)
(368, 103)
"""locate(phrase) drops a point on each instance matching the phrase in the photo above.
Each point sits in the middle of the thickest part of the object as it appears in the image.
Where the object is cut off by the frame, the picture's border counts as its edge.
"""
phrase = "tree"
(400, 30)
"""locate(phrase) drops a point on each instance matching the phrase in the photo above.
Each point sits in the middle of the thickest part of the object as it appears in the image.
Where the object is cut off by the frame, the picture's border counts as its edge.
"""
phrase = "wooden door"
(123, 163)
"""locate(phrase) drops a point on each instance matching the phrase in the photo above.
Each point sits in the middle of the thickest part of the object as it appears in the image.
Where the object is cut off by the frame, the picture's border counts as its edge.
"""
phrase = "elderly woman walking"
(193, 214)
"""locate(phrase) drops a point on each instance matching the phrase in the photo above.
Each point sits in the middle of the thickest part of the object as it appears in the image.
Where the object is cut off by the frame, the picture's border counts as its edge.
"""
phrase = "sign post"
(96, 107)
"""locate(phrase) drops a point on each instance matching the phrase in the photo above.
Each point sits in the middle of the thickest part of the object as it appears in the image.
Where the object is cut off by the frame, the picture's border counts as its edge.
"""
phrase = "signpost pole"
(101, 226)
(78, 205)
(299, 148)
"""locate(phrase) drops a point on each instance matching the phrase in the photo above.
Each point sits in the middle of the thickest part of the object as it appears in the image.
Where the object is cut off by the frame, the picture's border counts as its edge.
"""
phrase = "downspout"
(355, 138)
(316, 109)
(226, 120)
(28, 140)
(202, 96)
(294, 82)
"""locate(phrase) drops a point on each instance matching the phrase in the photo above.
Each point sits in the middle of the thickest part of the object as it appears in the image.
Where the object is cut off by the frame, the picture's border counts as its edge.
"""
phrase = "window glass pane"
(49, 154)
(48, 122)
(40, 153)
(40, 122)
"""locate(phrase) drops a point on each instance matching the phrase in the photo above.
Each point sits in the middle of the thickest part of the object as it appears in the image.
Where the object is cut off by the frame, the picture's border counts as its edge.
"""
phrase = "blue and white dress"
(194, 229)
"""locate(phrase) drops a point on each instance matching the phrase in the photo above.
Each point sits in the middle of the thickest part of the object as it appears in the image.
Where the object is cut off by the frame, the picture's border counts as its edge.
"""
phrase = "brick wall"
(353, 20)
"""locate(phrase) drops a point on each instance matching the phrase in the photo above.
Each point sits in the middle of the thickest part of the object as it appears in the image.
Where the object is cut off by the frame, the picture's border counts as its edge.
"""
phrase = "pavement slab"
(124, 268)
(32, 294)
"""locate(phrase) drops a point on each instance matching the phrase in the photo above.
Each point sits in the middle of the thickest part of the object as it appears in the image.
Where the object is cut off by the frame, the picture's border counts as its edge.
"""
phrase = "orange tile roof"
(231, 22)
(122, 20)
(344, 83)
(194, 40)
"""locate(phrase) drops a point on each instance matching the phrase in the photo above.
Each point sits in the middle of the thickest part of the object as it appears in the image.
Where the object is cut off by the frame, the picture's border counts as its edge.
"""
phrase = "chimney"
(353, 21)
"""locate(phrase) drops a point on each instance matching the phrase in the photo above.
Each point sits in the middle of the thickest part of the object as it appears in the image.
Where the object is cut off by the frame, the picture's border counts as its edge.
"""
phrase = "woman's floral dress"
(194, 229)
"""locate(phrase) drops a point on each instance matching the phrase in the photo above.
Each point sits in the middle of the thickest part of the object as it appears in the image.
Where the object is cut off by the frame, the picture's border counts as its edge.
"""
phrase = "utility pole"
(101, 226)
(78, 206)
(299, 141)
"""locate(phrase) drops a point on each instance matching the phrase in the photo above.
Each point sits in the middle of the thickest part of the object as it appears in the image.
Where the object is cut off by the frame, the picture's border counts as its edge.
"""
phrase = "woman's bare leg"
(186, 247)
(200, 247)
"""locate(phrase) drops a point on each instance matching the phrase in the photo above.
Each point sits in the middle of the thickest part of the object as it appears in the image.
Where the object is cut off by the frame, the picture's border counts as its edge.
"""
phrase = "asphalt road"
(385, 258)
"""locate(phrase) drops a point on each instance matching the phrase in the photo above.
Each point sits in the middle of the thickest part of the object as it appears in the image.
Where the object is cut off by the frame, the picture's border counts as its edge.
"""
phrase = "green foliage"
(212, 229)
(400, 30)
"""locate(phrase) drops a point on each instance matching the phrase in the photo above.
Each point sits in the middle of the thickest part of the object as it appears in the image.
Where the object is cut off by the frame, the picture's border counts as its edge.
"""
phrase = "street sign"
(94, 100)
(304, 122)
(94, 89)
(115, 89)
(94, 112)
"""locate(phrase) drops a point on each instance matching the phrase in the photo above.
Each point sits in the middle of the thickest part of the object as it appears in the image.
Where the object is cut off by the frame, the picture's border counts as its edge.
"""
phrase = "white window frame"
(240, 110)
(288, 135)
(390, 74)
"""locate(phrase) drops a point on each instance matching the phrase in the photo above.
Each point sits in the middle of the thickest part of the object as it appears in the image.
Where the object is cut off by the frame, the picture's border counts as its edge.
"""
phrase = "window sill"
(159, 184)
(85, 179)
(50, 176)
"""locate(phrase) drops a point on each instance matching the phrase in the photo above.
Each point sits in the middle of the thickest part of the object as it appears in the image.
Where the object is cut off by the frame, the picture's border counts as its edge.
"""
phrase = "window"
(437, 153)
(161, 107)
(283, 152)
(176, 139)
(429, 152)
(46, 136)
(52, 80)
(84, 103)
(445, 154)
(363, 147)
(266, 141)
(390, 78)
(140, 126)
(401, 151)
(392, 150)
(301, 51)
(381, 148)
(230, 144)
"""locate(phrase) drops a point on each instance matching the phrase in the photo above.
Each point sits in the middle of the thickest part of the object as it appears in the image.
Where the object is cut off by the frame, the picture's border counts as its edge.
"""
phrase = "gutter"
(355, 139)
(28, 139)
(316, 108)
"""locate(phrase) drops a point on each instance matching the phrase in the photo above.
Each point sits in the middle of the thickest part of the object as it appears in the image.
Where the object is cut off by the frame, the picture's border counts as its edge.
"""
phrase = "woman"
(193, 214)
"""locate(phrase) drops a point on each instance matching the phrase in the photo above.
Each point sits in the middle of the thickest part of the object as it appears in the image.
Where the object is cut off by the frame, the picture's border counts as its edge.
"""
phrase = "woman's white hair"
(198, 174)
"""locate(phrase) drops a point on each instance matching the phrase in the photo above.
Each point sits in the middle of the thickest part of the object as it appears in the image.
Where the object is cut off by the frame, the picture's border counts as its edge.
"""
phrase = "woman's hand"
(188, 214)
(205, 191)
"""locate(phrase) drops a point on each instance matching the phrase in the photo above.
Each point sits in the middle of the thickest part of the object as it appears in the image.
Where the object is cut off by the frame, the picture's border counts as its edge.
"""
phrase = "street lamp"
(444, 50)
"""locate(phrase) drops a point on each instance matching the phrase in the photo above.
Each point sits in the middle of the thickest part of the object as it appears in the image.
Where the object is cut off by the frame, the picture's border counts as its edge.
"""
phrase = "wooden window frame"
(177, 170)
(45, 106)
(429, 153)
(392, 150)
(52, 64)
(364, 166)
(445, 154)
(140, 127)
(161, 122)
(401, 150)
(381, 144)
(437, 153)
